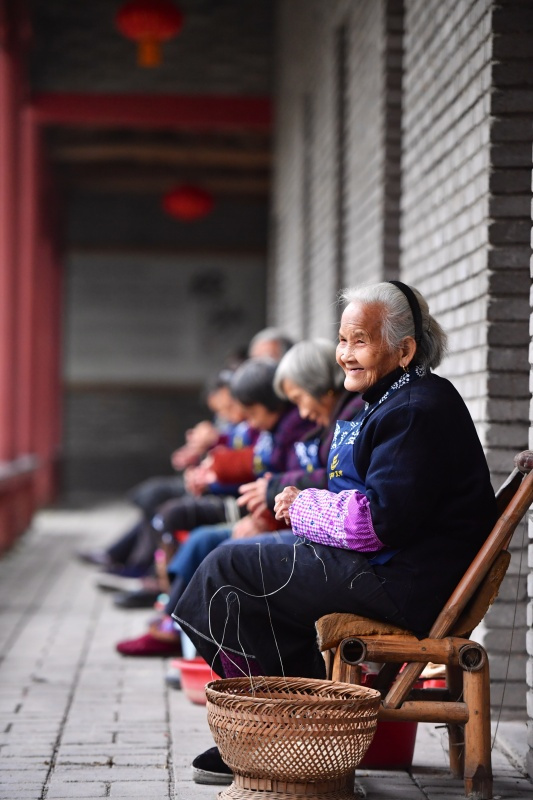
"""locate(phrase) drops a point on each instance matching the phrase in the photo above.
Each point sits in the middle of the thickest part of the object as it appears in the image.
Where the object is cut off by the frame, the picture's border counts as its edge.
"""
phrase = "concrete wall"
(461, 175)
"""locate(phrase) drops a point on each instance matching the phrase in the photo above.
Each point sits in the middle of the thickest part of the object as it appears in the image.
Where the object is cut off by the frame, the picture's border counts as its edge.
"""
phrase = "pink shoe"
(150, 645)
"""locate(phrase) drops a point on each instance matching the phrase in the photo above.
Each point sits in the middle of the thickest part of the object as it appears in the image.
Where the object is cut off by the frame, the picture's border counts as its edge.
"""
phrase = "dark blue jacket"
(429, 489)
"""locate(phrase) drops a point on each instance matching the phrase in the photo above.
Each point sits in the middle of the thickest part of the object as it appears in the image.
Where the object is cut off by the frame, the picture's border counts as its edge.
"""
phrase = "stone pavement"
(80, 721)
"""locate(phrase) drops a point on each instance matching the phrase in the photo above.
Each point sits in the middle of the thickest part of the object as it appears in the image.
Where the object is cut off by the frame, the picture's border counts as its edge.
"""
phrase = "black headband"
(413, 305)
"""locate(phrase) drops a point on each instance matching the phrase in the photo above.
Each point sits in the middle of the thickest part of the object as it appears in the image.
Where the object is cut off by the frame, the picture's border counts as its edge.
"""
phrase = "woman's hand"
(284, 501)
(203, 436)
(247, 527)
(183, 457)
(198, 440)
(197, 479)
(254, 495)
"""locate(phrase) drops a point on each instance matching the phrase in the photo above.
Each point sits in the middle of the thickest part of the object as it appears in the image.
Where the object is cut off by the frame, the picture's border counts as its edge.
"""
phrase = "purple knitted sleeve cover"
(339, 520)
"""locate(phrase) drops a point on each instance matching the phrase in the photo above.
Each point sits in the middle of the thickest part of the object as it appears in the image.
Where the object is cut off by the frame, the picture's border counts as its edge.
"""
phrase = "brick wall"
(115, 437)
(336, 197)
(529, 615)
(467, 123)
(464, 190)
(445, 197)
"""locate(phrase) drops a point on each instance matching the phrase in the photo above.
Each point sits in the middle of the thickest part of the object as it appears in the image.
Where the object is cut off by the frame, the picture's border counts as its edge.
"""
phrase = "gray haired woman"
(309, 376)
(408, 505)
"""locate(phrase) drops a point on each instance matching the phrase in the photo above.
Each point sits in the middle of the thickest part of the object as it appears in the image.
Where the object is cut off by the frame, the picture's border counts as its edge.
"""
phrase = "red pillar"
(17, 489)
(8, 227)
(47, 386)
(27, 282)
(38, 319)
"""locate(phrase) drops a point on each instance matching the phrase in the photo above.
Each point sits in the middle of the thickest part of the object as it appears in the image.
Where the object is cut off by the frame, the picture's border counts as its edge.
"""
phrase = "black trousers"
(262, 600)
(186, 513)
(150, 494)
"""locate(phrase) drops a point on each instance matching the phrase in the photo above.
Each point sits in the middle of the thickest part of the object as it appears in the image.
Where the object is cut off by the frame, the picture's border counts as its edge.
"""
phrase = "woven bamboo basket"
(291, 736)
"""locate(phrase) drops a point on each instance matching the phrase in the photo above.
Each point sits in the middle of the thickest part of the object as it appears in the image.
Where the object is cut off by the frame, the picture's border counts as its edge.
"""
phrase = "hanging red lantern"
(188, 203)
(149, 22)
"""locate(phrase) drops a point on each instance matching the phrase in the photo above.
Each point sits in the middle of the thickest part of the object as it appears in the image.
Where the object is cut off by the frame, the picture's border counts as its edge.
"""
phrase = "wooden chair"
(347, 640)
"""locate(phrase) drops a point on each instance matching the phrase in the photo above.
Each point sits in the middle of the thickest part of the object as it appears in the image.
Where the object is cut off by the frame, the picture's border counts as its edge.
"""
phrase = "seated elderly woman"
(409, 504)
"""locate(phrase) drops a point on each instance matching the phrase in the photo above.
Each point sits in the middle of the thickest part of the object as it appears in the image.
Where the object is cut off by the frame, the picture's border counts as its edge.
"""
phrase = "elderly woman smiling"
(408, 505)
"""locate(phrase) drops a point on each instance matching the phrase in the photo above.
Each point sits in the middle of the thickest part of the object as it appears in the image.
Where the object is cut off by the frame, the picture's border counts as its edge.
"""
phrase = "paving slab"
(77, 720)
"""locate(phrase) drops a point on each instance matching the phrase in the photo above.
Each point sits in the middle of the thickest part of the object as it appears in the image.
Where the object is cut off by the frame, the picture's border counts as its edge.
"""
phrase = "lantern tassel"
(149, 53)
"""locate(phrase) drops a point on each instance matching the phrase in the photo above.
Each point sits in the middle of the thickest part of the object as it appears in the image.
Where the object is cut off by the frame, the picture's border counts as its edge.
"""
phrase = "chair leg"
(456, 735)
(327, 655)
(346, 673)
(478, 768)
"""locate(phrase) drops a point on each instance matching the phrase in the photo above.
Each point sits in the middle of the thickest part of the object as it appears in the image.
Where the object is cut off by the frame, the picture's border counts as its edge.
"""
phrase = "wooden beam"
(154, 153)
(119, 183)
(177, 112)
(426, 711)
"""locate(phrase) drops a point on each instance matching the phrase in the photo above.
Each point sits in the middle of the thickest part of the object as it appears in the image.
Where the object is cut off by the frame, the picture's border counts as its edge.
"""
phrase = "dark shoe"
(99, 558)
(116, 583)
(142, 598)
(132, 571)
(149, 645)
(173, 676)
(209, 768)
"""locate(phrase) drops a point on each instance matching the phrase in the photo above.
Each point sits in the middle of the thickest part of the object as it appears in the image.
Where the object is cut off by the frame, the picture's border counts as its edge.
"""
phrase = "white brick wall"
(464, 168)
(529, 614)
(463, 232)
(445, 178)
(305, 227)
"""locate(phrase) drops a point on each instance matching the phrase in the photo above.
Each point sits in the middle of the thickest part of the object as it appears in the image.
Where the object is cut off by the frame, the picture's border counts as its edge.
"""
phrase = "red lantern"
(188, 203)
(149, 22)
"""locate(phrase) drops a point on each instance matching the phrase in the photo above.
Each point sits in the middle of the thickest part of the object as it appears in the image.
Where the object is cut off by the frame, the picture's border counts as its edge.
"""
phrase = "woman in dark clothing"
(408, 506)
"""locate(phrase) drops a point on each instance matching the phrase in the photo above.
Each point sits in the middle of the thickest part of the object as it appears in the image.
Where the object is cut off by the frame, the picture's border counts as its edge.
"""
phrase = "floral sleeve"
(339, 520)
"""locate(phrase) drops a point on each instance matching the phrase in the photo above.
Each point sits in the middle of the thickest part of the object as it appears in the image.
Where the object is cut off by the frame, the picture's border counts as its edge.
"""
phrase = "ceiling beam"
(137, 184)
(155, 111)
(156, 153)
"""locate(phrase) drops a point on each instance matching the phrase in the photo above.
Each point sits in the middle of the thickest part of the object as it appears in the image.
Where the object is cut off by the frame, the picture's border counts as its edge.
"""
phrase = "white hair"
(283, 341)
(312, 366)
(398, 323)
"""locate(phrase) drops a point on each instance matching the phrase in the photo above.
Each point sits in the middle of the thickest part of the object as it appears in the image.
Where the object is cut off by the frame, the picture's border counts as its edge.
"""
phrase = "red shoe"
(150, 645)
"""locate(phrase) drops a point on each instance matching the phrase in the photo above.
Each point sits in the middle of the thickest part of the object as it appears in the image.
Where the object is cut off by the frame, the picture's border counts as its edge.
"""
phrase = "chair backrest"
(520, 494)
(487, 591)
(479, 585)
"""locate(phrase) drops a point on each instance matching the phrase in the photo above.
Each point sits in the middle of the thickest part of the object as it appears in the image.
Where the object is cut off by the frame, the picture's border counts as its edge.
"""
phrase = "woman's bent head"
(252, 384)
(377, 335)
(309, 377)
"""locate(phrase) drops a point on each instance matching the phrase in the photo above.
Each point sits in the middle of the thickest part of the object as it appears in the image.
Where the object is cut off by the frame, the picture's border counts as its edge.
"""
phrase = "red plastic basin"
(392, 747)
(195, 673)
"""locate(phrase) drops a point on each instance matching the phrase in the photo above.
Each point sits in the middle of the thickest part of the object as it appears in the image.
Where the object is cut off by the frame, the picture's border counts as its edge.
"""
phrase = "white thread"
(268, 608)
(264, 596)
(317, 556)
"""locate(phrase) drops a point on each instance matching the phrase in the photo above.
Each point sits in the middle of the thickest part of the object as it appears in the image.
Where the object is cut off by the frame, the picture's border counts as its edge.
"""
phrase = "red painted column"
(8, 227)
(17, 496)
(27, 351)
(46, 376)
(39, 313)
